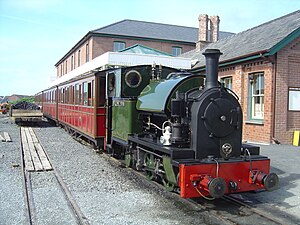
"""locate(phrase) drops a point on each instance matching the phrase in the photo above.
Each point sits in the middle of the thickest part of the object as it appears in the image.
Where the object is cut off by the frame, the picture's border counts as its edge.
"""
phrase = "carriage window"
(67, 95)
(90, 94)
(85, 93)
(133, 78)
(78, 94)
(63, 95)
(93, 92)
(72, 94)
(101, 92)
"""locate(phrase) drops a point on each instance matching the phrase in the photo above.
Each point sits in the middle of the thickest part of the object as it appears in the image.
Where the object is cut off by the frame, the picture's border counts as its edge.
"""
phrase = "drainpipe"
(274, 95)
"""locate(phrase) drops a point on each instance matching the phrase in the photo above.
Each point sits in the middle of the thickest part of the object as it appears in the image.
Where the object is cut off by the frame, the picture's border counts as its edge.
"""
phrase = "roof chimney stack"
(203, 30)
(203, 27)
(214, 28)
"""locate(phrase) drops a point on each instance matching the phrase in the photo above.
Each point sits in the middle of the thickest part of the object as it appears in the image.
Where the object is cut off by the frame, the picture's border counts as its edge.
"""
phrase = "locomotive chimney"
(212, 64)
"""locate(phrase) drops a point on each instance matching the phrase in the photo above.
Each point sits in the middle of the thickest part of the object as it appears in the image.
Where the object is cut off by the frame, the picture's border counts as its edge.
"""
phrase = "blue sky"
(35, 34)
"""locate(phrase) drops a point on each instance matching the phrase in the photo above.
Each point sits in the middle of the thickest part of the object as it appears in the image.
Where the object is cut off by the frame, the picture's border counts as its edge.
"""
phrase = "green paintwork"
(128, 160)
(124, 119)
(156, 97)
(257, 56)
(281, 44)
(170, 175)
(285, 41)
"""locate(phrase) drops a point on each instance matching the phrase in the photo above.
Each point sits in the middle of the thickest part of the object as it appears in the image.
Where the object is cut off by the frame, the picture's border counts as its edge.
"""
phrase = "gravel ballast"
(109, 194)
(12, 206)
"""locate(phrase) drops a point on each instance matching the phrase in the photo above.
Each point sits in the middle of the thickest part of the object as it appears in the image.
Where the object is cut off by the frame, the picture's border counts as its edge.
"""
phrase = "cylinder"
(212, 64)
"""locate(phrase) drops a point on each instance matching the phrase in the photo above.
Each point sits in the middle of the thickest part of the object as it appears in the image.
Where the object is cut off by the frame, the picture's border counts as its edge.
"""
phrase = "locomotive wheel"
(169, 187)
(128, 160)
(150, 175)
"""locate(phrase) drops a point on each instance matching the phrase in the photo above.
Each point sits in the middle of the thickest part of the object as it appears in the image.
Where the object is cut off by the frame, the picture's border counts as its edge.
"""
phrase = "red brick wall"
(67, 61)
(105, 44)
(252, 131)
(100, 45)
(287, 75)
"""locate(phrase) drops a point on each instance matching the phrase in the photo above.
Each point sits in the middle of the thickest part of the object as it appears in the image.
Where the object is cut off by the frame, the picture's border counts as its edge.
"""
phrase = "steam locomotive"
(188, 135)
(181, 129)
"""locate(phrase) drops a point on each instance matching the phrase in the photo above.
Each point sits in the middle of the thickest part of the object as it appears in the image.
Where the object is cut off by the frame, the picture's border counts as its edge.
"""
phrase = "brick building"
(167, 38)
(262, 66)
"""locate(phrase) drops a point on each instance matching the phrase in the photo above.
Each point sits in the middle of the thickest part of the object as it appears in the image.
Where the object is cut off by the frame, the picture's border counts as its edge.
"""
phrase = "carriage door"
(110, 93)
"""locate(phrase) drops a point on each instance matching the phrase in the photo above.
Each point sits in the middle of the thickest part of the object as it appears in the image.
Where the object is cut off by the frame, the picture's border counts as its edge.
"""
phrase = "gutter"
(88, 35)
(256, 55)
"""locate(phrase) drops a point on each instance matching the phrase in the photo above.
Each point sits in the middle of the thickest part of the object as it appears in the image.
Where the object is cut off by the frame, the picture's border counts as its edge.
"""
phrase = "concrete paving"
(283, 203)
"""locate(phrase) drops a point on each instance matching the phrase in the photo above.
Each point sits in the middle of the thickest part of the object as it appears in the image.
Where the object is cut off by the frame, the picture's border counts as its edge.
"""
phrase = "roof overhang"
(120, 59)
(245, 58)
(288, 39)
(256, 55)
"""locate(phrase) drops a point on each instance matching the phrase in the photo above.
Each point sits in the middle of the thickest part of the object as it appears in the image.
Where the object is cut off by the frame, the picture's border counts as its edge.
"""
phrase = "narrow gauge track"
(30, 207)
(228, 210)
(236, 211)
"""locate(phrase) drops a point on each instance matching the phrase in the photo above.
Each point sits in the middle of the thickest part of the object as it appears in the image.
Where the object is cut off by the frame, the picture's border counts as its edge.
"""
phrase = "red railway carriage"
(49, 104)
(81, 107)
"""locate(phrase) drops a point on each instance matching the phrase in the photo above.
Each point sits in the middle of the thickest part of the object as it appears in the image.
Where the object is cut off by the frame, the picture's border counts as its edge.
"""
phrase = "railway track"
(31, 171)
(235, 211)
(228, 210)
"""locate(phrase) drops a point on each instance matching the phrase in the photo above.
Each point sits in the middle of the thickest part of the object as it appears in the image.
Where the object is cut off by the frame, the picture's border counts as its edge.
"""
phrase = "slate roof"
(147, 30)
(134, 28)
(265, 38)
(142, 49)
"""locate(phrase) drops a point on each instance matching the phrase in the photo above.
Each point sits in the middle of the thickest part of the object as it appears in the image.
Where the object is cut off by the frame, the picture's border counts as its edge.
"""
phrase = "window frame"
(66, 67)
(72, 62)
(227, 85)
(176, 48)
(78, 60)
(118, 48)
(252, 78)
(87, 52)
(85, 93)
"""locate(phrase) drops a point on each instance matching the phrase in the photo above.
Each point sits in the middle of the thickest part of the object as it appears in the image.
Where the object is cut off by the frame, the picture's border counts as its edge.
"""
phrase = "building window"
(72, 62)
(256, 96)
(78, 57)
(118, 46)
(66, 67)
(87, 52)
(227, 81)
(176, 51)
